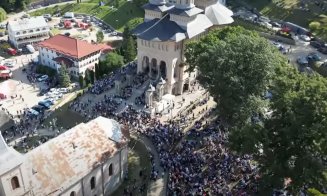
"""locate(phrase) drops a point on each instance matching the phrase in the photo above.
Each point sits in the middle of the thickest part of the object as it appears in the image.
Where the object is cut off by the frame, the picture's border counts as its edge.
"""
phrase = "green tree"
(314, 192)
(113, 61)
(97, 72)
(87, 78)
(91, 72)
(117, 3)
(3, 14)
(63, 76)
(236, 66)
(99, 36)
(314, 25)
(292, 142)
(130, 52)
(81, 81)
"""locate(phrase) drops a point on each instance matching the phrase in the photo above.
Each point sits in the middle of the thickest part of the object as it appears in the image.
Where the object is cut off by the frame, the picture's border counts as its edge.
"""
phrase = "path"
(157, 187)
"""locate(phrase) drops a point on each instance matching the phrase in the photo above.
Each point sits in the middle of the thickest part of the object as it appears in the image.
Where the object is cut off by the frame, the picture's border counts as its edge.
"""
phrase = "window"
(14, 183)
(37, 29)
(17, 33)
(24, 32)
(73, 193)
(31, 31)
(44, 28)
(110, 170)
(92, 183)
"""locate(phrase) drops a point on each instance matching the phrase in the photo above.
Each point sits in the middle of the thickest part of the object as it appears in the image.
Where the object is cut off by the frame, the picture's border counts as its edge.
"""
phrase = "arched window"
(92, 183)
(14, 183)
(110, 170)
(73, 193)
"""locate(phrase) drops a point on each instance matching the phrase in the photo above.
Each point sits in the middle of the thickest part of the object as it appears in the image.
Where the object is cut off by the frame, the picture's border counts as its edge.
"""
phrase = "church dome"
(184, 4)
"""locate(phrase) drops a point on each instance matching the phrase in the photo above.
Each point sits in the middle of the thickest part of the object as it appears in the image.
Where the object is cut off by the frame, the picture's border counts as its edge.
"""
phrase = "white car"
(42, 78)
(9, 64)
(305, 38)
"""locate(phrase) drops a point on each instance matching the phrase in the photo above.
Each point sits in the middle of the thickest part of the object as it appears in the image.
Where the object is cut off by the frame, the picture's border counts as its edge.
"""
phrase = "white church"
(162, 37)
(89, 159)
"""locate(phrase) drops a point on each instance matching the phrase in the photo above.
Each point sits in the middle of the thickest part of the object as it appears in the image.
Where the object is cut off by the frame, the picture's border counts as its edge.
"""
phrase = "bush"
(314, 25)
(41, 69)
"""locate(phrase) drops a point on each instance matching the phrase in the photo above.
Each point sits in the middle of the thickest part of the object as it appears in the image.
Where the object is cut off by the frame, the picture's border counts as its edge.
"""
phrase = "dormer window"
(37, 29)
(18, 33)
(24, 32)
(31, 31)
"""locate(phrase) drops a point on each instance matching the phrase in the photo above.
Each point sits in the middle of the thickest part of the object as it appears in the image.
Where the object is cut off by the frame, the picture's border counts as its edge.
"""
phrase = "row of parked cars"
(52, 95)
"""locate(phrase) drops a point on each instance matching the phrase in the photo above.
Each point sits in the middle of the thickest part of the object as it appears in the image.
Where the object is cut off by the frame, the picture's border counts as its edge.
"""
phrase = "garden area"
(138, 159)
(126, 13)
(293, 11)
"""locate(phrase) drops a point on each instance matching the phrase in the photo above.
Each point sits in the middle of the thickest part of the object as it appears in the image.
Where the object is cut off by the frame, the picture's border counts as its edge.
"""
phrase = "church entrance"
(163, 69)
(146, 65)
(154, 68)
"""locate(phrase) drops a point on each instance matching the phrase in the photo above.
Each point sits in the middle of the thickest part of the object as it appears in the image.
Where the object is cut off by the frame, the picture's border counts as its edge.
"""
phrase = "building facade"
(27, 31)
(166, 29)
(89, 159)
(76, 55)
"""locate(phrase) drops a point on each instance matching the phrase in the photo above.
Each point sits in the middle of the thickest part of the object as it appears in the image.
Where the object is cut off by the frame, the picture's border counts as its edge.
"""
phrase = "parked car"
(276, 24)
(32, 112)
(316, 44)
(43, 92)
(50, 101)
(42, 78)
(305, 38)
(323, 50)
(38, 108)
(302, 61)
(9, 64)
(45, 104)
(313, 57)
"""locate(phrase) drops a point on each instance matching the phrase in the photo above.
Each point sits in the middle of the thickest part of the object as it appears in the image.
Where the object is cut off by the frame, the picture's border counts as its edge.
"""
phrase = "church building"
(89, 159)
(161, 38)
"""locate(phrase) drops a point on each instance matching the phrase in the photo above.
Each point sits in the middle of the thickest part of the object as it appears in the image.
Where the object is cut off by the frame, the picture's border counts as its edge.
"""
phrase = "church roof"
(219, 14)
(200, 24)
(185, 12)
(158, 8)
(9, 158)
(59, 163)
(5, 121)
(160, 30)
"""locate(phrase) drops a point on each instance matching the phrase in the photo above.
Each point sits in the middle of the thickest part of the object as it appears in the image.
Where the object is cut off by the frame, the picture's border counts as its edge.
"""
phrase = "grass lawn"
(138, 158)
(127, 13)
(289, 10)
(55, 31)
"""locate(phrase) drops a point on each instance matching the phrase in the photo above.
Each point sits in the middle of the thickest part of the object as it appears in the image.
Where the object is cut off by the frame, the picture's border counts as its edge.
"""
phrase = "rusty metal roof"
(62, 161)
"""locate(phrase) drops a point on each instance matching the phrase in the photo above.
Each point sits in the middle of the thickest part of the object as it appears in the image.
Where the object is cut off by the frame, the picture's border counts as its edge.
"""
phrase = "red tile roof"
(70, 46)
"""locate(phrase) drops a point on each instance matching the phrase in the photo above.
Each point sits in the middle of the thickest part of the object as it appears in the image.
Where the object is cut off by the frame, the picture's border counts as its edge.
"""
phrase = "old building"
(89, 159)
(167, 27)
(75, 54)
(27, 31)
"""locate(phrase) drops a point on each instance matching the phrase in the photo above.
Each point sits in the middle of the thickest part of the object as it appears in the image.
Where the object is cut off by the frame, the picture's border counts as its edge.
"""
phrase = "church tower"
(11, 173)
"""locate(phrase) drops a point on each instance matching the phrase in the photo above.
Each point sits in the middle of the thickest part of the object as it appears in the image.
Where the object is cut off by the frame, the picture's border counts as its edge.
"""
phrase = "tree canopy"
(100, 36)
(236, 66)
(63, 76)
(3, 14)
(14, 5)
(112, 62)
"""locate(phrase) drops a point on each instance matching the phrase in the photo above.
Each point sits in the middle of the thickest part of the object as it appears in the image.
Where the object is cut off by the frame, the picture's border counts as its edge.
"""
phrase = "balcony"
(33, 38)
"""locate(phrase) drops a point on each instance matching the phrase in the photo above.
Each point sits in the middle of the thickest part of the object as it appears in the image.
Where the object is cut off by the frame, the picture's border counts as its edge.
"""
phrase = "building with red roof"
(75, 54)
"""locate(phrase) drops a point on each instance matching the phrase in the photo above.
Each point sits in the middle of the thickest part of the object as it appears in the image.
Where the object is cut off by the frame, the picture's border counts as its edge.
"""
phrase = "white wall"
(150, 14)
(6, 182)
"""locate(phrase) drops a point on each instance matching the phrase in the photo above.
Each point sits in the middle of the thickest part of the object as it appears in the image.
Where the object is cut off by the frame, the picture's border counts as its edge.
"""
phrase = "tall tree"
(292, 142)
(63, 76)
(91, 72)
(236, 66)
(113, 61)
(99, 36)
(97, 72)
(81, 81)
(130, 51)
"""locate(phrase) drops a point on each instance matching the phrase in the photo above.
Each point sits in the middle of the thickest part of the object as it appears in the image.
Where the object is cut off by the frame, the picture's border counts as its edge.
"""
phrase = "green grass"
(55, 31)
(138, 158)
(250, 25)
(128, 13)
(289, 10)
